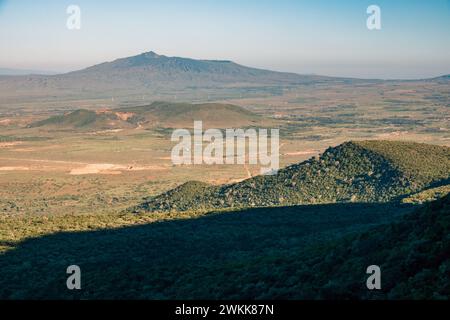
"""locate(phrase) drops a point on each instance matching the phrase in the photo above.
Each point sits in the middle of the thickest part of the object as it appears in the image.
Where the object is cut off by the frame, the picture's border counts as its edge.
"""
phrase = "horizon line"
(41, 72)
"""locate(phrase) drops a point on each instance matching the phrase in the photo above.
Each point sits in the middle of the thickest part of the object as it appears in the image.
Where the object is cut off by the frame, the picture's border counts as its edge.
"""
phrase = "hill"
(149, 67)
(157, 114)
(366, 171)
(183, 115)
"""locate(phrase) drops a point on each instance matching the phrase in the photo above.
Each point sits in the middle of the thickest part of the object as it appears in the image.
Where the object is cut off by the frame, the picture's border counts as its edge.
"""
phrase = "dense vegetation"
(414, 256)
(296, 252)
(368, 171)
(422, 164)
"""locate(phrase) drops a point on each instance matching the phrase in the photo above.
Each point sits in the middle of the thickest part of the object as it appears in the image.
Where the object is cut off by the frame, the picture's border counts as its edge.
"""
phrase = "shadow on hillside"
(158, 260)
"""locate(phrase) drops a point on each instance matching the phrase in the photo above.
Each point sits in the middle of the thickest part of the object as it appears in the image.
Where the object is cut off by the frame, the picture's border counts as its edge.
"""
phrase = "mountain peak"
(150, 55)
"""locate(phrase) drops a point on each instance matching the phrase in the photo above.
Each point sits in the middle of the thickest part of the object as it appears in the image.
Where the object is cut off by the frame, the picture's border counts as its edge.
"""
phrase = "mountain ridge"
(367, 171)
(148, 56)
(155, 75)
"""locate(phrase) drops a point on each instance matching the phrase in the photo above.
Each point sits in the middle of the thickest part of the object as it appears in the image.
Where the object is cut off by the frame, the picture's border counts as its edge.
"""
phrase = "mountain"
(363, 171)
(163, 78)
(158, 114)
(151, 74)
(149, 68)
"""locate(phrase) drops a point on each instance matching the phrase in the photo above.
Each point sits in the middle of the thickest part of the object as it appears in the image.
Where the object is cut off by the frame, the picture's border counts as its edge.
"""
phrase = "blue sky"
(323, 37)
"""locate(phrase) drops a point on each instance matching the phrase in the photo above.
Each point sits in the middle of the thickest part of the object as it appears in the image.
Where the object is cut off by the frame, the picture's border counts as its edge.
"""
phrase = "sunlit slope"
(367, 171)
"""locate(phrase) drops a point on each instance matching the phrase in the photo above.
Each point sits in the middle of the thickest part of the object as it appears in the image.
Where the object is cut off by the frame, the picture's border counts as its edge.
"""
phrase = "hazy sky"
(322, 37)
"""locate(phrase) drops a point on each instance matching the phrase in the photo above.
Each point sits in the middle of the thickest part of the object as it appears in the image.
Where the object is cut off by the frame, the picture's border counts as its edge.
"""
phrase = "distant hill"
(366, 171)
(157, 114)
(149, 68)
(445, 79)
(84, 119)
(169, 114)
